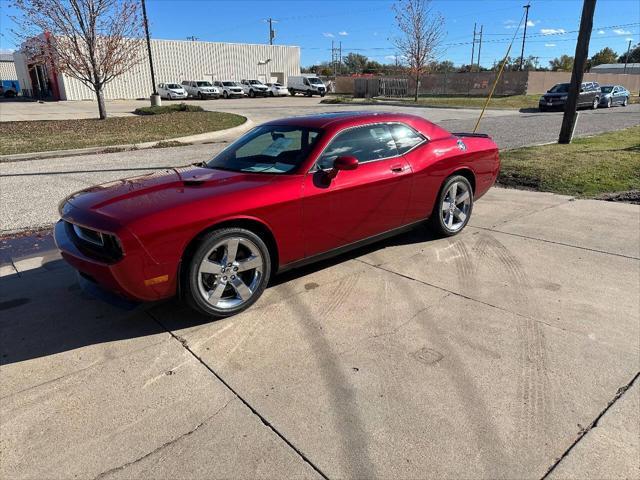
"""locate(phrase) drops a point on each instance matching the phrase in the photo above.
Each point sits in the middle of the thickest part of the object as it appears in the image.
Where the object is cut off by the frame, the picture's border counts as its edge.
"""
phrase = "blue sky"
(366, 26)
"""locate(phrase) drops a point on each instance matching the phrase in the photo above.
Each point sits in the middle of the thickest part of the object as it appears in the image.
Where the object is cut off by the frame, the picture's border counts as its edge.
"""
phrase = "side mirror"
(342, 163)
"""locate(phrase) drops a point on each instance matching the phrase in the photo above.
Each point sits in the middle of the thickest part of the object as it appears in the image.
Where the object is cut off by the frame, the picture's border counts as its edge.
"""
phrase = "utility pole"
(146, 31)
(480, 46)
(524, 36)
(340, 58)
(272, 32)
(582, 50)
(473, 46)
(626, 59)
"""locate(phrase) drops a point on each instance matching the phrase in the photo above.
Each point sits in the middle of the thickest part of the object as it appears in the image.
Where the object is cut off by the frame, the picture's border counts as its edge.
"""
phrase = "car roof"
(340, 120)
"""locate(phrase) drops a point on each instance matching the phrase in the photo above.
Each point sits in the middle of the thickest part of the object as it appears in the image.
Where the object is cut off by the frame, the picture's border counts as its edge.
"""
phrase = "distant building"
(632, 68)
(8, 74)
(174, 61)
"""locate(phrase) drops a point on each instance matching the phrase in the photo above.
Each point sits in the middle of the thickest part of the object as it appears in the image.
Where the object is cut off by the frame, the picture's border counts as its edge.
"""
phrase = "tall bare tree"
(93, 41)
(421, 33)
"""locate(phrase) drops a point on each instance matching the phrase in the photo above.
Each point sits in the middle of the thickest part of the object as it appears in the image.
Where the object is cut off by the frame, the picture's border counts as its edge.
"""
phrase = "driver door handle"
(397, 168)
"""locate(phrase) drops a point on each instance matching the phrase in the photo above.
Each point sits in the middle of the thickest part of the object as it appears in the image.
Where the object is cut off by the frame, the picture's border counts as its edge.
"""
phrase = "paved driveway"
(508, 351)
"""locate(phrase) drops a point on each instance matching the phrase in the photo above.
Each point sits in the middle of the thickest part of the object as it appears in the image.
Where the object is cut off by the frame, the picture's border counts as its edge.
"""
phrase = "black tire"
(225, 94)
(596, 102)
(199, 95)
(292, 92)
(437, 220)
(194, 282)
(252, 93)
(322, 94)
(609, 102)
(625, 102)
(271, 94)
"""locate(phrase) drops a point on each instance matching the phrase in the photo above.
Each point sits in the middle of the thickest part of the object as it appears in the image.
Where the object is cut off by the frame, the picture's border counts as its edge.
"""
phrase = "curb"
(190, 139)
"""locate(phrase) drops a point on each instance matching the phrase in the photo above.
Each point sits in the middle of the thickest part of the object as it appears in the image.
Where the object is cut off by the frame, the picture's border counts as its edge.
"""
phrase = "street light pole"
(626, 59)
(155, 98)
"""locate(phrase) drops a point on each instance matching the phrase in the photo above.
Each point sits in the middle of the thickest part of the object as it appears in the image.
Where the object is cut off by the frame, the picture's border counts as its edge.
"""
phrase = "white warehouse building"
(173, 61)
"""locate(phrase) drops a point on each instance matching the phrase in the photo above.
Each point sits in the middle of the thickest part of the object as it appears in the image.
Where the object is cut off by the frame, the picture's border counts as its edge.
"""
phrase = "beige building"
(8, 74)
(174, 61)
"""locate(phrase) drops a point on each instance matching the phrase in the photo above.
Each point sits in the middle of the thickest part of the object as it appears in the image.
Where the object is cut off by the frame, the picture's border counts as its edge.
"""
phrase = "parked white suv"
(306, 84)
(200, 89)
(171, 91)
(229, 88)
(254, 87)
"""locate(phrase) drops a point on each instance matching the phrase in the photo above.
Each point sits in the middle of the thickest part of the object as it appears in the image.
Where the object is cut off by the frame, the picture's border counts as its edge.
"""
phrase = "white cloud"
(619, 31)
(343, 33)
(601, 32)
(328, 34)
(6, 50)
(531, 23)
(628, 39)
(390, 57)
(549, 44)
(552, 31)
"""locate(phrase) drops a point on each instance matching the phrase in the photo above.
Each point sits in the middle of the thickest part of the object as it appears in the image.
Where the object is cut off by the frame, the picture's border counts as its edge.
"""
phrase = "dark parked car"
(614, 95)
(556, 98)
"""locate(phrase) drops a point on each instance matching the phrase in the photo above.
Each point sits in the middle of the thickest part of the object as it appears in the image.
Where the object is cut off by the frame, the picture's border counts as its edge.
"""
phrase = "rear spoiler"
(477, 135)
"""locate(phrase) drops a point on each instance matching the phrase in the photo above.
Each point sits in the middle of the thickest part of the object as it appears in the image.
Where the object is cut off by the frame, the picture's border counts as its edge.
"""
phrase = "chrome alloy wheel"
(230, 273)
(455, 206)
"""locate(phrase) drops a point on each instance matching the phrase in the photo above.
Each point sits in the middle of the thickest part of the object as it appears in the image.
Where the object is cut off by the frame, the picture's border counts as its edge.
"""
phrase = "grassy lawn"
(44, 135)
(511, 102)
(588, 167)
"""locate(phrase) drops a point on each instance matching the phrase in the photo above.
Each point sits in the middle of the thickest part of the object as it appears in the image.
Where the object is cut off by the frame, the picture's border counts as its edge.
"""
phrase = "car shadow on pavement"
(44, 311)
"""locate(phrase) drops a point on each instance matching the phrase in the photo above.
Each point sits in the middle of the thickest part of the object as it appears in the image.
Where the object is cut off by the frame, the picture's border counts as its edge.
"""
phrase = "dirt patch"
(632, 196)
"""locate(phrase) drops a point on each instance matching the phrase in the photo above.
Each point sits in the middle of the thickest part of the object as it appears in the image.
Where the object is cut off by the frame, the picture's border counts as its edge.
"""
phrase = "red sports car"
(286, 193)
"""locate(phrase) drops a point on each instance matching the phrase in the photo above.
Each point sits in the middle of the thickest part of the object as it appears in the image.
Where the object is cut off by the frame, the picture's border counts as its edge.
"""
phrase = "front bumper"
(136, 276)
(175, 96)
(551, 103)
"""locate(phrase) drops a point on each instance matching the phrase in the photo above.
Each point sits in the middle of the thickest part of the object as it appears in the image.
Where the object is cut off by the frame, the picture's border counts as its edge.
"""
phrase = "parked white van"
(308, 85)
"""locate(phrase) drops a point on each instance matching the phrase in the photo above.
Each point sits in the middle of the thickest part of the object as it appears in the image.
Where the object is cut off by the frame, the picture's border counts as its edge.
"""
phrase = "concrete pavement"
(509, 351)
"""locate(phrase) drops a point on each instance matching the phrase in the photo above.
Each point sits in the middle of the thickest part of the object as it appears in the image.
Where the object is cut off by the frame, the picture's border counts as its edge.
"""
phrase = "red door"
(359, 203)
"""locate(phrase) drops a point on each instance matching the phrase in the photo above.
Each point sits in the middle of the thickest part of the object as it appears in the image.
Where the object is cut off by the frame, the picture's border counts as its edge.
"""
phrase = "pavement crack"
(246, 403)
(585, 430)
(164, 445)
(557, 243)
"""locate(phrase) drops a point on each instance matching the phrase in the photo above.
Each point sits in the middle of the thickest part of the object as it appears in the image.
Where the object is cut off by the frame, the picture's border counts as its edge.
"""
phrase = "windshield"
(267, 149)
(204, 84)
(560, 88)
(255, 82)
(606, 89)
(173, 85)
(315, 81)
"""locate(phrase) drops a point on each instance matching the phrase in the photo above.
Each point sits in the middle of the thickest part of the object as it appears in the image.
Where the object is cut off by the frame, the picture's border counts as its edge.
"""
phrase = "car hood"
(129, 199)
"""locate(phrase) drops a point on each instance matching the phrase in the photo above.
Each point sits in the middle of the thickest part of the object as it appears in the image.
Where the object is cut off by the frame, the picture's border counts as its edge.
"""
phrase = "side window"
(367, 144)
(405, 137)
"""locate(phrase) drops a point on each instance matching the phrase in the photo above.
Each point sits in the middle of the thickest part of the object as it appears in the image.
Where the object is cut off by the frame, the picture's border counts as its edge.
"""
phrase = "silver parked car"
(614, 95)
(200, 89)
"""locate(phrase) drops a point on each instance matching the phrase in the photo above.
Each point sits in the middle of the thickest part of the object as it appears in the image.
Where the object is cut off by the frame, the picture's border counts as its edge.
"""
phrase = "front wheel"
(453, 207)
(595, 103)
(609, 103)
(227, 273)
(225, 94)
(625, 102)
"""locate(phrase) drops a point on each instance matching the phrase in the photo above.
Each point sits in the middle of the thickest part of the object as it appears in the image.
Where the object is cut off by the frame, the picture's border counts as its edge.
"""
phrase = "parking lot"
(509, 351)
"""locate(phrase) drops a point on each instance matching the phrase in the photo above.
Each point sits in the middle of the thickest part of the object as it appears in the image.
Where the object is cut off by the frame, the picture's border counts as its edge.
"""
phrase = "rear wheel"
(227, 273)
(453, 208)
(595, 103)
